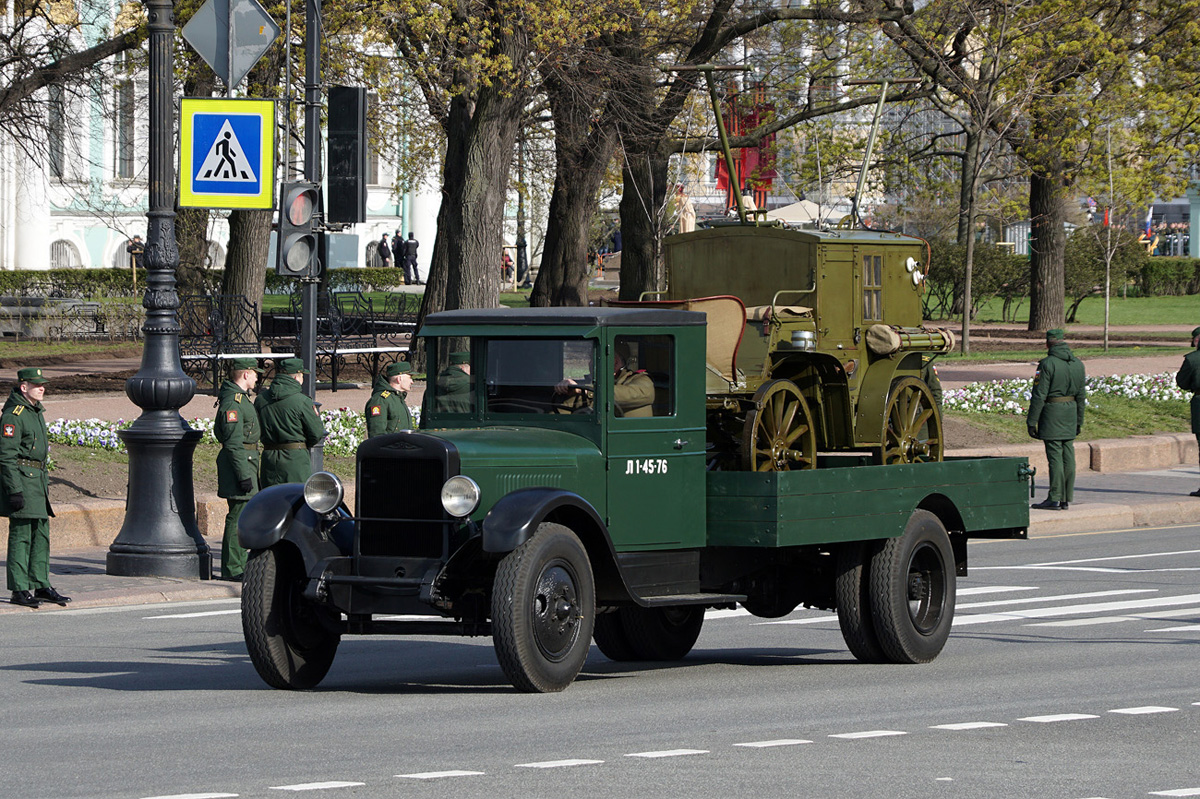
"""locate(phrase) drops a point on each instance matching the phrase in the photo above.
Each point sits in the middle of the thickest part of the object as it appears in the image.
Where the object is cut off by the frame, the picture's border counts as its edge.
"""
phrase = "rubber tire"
(290, 646)
(913, 634)
(662, 633)
(851, 585)
(609, 635)
(520, 609)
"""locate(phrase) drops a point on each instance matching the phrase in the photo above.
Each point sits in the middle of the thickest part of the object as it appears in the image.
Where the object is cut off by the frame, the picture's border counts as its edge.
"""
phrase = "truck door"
(655, 445)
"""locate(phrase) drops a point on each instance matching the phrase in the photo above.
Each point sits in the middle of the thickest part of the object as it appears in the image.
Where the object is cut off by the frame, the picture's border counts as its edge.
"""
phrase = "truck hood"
(520, 446)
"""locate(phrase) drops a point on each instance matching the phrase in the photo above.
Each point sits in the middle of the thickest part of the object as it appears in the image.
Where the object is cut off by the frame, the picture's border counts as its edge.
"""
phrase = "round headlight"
(918, 278)
(323, 492)
(460, 496)
(911, 264)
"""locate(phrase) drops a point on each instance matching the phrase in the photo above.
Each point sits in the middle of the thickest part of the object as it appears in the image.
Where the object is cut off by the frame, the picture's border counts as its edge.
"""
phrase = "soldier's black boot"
(24, 599)
(50, 595)
(1195, 493)
(1049, 504)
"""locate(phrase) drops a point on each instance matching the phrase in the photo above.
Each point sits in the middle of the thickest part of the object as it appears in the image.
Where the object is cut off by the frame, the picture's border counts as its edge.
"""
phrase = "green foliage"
(1085, 257)
(996, 272)
(1167, 276)
(353, 279)
(82, 284)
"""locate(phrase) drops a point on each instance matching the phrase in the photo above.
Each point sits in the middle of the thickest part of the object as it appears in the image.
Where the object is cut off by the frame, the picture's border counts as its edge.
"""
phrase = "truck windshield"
(526, 375)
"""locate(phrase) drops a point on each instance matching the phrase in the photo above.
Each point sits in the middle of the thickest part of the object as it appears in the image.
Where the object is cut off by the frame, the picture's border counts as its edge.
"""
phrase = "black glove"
(1078, 430)
(1033, 432)
(16, 501)
(245, 485)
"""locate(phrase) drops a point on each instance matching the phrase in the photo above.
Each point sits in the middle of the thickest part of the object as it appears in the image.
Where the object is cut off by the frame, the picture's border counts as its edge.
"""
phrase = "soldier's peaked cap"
(398, 368)
(1055, 334)
(460, 357)
(242, 364)
(1196, 332)
(292, 366)
(31, 374)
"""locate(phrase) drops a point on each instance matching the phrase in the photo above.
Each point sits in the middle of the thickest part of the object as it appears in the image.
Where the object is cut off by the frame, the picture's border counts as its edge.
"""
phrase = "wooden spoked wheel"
(912, 424)
(779, 434)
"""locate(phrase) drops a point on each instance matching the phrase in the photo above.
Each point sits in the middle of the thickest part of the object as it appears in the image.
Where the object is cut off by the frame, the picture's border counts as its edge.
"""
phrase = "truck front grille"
(400, 507)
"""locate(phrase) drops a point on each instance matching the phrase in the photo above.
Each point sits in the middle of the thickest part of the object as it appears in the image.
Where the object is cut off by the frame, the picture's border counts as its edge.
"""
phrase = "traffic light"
(296, 246)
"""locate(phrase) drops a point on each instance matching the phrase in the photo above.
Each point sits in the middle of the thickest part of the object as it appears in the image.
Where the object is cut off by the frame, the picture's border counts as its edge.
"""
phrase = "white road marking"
(437, 775)
(868, 734)
(559, 763)
(1186, 628)
(1143, 710)
(195, 615)
(994, 589)
(669, 753)
(1071, 610)
(1031, 599)
(1155, 614)
(1178, 792)
(195, 796)
(968, 725)
(316, 786)
(725, 613)
(778, 742)
(1120, 557)
(1059, 717)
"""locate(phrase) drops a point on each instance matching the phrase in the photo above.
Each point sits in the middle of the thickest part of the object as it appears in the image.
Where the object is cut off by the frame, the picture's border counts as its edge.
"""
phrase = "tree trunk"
(465, 268)
(245, 265)
(1047, 210)
(582, 151)
(645, 193)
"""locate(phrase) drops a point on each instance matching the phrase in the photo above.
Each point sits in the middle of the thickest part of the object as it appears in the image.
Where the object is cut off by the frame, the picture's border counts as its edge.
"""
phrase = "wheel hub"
(555, 612)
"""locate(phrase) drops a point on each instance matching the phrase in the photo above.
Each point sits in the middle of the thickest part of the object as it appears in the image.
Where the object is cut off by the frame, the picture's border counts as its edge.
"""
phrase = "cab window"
(643, 376)
(540, 376)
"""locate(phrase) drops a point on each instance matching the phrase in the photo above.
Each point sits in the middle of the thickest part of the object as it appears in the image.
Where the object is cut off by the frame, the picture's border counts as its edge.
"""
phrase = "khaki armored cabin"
(815, 343)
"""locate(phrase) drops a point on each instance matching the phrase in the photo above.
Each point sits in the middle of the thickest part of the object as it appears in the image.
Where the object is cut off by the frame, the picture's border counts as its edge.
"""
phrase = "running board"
(691, 599)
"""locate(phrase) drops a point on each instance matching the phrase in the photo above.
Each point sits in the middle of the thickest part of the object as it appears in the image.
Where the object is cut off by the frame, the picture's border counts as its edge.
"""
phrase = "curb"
(1104, 455)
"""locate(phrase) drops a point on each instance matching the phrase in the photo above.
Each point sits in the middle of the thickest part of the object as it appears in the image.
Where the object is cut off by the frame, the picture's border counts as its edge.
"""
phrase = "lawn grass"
(1031, 355)
(47, 350)
(1106, 417)
(1131, 311)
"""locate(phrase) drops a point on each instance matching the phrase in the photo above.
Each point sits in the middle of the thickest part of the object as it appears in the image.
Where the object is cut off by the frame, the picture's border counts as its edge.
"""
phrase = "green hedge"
(1164, 275)
(90, 284)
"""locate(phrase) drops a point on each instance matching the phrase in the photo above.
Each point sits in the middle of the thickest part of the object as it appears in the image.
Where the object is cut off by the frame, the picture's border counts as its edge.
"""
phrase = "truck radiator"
(400, 508)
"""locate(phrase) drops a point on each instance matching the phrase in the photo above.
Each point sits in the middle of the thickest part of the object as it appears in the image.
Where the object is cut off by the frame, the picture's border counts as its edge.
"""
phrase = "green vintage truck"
(572, 481)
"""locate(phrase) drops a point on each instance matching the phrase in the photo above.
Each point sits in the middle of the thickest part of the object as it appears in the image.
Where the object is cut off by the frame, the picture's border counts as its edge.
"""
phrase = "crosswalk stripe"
(1157, 614)
(1073, 610)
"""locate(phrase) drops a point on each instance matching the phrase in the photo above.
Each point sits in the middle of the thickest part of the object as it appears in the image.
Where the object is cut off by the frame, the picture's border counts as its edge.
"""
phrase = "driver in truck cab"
(633, 391)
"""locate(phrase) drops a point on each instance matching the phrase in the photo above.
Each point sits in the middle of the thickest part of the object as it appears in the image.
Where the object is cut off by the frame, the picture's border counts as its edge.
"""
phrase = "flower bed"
(1012, 396)
(346, 427)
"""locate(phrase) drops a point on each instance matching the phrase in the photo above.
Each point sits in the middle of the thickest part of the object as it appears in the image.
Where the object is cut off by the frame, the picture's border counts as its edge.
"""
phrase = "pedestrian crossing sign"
(226, 153)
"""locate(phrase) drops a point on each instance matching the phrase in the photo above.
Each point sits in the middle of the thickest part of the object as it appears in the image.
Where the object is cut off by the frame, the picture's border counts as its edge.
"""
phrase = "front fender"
(276, 512)
(514, 519)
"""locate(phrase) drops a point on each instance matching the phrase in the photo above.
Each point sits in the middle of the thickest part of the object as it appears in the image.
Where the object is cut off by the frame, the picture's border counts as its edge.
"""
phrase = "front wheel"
(291, 640)
(543, 610)
(912, 591)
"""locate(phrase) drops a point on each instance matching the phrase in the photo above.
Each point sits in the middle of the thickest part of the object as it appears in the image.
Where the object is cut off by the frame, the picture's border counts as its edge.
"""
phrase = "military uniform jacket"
(633, 394)
(454, 390)
(1189, 380)
(24, 447)
(386, 410)
(236, 428)
(1059, 396)
(287, 416)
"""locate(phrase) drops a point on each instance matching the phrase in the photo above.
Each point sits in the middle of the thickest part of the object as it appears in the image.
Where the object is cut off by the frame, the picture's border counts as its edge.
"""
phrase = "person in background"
(1188, 379)
(1056, 416)
(136, 248)
(929, 375)
(236, 429)
(290, 427)
(410, 258)
(398, 256)
(384, 251)
(454, 384)
(25, 498)
(387, 410)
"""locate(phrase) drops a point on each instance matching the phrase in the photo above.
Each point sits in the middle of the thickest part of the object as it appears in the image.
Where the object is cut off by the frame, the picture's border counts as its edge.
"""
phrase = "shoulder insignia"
(1037, 376)
(375, 410)
(17, 411)
(10, 430)
(231, 415)
(237, 397)
(386, 394)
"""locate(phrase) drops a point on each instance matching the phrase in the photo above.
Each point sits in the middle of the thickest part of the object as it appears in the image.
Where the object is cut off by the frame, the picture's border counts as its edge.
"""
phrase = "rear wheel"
(291, 640)
(912, 591)
(609, 635)
(662, 633)
(543, 610)
(853, 603)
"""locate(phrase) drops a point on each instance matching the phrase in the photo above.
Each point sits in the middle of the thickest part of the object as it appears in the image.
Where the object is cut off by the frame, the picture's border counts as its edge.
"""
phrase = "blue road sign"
(228, 153)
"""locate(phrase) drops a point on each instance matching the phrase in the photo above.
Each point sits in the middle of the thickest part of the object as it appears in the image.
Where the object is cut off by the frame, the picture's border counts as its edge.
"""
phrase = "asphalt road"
(1072, 672)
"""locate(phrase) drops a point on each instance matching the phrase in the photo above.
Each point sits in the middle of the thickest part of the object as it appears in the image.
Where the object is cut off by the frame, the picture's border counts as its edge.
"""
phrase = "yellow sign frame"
(197, 116)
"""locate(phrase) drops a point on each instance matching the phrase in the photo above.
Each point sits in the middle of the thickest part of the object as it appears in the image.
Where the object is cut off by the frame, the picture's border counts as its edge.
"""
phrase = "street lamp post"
(160, 536)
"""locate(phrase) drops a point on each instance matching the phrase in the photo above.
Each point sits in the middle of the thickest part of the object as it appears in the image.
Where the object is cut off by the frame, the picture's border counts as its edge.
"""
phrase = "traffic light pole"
(312, 172)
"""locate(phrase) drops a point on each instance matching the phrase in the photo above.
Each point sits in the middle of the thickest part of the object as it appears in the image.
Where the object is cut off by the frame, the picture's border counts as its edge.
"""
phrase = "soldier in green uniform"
(290, 427)
(1189, 380)
(929, 375)
(454, 384)
(236, 429)
(633, 390)
(1056, 416)
(386, 410)
(25, 498)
